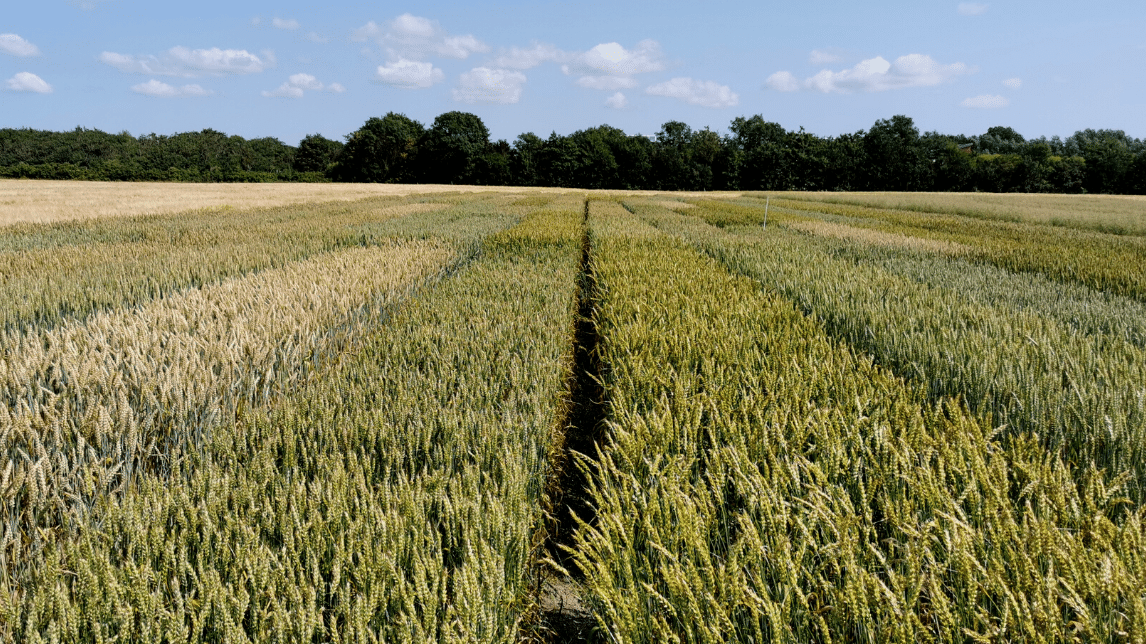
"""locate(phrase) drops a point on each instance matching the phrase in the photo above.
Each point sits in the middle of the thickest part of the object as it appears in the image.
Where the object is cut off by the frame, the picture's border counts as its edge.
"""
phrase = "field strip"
(1118, 214)
(53, 201)
(43, 201)
(1082, 395)
(391, 499)
(879, 238)
(1075, 306)
(764, 482)
(87, 406)
(52, 274)
(1102, 261)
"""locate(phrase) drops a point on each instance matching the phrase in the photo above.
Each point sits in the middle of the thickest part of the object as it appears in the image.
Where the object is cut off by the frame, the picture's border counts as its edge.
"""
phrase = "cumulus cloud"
(617, 101)
(29, 82)
(298, 84)
(1013, 83)
(985, 102)
(485, 85)
(181, 61)
(416, 38)
(610, 66)
(316, 37)
(607, 82)
(612, 58)
(279, 23)
(874, 75)
(823, 57)
(972, 8)
(783, 82)
(530, 57)
(409, 74)
(160, 89)
(17, 46)
(703, 93)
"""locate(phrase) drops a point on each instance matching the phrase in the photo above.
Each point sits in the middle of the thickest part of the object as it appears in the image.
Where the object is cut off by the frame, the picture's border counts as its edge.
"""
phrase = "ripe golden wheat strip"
(52, 273)
(86, 406)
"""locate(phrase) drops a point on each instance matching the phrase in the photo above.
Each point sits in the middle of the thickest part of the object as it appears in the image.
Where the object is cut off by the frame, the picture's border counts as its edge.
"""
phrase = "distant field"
(327, 414)
(1125, 214)
(47, 201)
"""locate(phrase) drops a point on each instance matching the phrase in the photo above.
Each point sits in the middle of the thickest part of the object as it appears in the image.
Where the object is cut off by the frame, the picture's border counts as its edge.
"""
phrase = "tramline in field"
(879, 418)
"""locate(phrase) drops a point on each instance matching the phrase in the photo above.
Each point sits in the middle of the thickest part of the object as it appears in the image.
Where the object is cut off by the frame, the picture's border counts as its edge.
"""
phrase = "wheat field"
(407, 414)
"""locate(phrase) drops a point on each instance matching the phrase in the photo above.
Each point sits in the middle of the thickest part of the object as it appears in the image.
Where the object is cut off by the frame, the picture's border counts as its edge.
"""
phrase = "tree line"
(456, 148)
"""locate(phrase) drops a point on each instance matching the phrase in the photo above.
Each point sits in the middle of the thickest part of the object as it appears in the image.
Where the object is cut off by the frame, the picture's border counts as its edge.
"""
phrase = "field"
(365, 414)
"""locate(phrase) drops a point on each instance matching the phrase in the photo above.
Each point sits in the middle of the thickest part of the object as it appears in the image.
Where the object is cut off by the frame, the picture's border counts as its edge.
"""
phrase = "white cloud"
(783, 82)
(416, 38)
(485, 85)
(304, 81)
(986, 102)
(279, 23)
(703, 93)
(17, 46)
(181, 61)
(160, 89)
(87, 5)
(316, 37)
(617, 101)
(972, 8)
(877, 75)
(1013, 83)
(610, 66)
(823, 57)
(607, 82)
(613, 59)
(286, 90)
(256, 21)
(28, 82)
(534, 55)
(297, 84)
(409, 74)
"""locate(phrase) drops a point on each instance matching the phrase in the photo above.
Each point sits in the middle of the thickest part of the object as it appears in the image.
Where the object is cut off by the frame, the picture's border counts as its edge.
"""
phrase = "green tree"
(383, 150)
(894, 158)
(452, 146)
(316, 153)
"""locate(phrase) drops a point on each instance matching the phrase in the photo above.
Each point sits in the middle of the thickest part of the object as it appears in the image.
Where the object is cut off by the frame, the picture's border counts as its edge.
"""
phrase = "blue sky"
(287, 69)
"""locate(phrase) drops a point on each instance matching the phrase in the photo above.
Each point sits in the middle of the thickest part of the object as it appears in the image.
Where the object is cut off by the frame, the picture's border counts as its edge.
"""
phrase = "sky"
(286, 69)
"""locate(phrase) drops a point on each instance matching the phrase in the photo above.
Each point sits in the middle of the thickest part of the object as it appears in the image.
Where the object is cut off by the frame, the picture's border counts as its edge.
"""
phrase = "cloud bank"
(416, 38)
(298, 84)
(694, 92)
(485, 85)
(609, 66)
(873, 75)
(409, 74)
(159, 89)
(181, 61)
